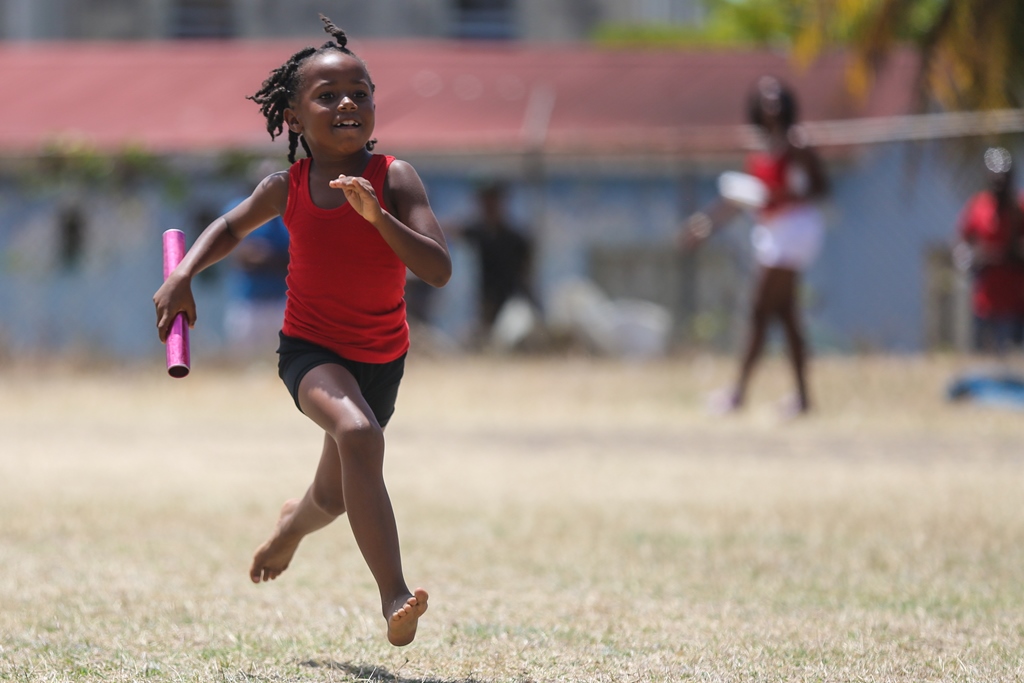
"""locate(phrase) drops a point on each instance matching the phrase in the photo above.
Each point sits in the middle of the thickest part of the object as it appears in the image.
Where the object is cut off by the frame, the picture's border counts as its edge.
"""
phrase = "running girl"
(356, 221)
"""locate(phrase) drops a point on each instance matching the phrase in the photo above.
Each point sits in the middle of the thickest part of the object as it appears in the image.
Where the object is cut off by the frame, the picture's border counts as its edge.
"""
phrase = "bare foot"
(273, 557)
(403, 620)
(724, 403)
(793, 408)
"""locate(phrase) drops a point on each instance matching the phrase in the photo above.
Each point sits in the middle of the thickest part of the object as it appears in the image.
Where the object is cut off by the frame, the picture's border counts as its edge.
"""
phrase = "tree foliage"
(972, 51)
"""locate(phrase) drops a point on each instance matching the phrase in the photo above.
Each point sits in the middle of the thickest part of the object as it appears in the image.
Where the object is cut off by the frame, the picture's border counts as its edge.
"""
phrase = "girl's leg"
(330, 396)
(321, 505)
(760, 317)
(789, 313)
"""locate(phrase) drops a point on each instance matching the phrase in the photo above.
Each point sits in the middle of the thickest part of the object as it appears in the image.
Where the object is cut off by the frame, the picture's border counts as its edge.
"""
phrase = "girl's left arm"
(817, 177)
(412, 231)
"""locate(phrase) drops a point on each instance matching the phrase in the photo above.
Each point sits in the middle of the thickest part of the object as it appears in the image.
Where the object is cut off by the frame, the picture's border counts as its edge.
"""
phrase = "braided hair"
(281, 87)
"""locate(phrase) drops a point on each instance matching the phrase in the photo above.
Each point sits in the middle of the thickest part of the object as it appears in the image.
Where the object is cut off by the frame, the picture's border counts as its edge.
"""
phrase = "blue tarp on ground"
(1000, 388)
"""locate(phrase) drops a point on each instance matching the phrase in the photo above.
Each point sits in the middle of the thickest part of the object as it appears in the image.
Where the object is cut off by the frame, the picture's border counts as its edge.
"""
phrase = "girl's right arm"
(701, 225)
(268, 200)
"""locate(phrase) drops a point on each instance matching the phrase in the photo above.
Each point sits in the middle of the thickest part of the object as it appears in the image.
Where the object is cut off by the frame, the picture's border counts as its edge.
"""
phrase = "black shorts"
(378, 381)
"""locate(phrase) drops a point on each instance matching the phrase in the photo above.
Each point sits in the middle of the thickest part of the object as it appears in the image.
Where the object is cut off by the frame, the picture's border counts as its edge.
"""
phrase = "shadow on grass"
(366, 672)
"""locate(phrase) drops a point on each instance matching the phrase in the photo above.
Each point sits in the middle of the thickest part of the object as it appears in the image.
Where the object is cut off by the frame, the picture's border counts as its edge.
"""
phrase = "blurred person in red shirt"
(990, 246)
(792, 182)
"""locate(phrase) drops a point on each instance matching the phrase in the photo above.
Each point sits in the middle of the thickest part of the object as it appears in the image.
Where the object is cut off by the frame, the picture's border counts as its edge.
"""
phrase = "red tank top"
(771, 170)
(998, 288)
(346, 286)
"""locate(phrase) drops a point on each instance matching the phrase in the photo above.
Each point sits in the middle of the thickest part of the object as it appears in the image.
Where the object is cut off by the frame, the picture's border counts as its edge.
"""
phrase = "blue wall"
(867, 290)
(889, 206)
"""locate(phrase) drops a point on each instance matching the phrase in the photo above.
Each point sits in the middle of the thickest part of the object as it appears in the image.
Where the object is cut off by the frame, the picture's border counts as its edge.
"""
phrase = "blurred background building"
(128, 117)
(532, 20)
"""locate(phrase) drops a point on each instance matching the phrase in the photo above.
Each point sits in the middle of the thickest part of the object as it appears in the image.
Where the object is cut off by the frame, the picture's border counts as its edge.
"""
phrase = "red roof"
(432, 97)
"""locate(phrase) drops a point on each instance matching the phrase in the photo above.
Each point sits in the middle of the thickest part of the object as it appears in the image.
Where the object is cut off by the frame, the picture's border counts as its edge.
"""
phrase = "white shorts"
(789, 238)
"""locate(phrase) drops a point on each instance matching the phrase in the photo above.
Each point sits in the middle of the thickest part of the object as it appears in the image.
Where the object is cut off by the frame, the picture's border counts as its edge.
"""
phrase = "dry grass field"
(574, 520)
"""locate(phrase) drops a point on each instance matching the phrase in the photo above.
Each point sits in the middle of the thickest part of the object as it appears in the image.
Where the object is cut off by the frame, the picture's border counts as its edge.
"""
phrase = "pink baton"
(177, 338)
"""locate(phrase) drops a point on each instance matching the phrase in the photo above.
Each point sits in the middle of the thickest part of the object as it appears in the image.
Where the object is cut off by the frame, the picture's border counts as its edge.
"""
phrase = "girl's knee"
(760, 316)
(363, 440)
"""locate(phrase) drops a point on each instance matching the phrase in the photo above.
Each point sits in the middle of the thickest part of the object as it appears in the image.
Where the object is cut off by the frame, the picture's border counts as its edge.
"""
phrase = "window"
(104, 19)
(202, 19)
(485, 19)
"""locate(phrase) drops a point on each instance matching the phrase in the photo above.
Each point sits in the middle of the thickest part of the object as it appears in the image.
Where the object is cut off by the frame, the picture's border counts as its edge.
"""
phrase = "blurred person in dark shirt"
(504, 254)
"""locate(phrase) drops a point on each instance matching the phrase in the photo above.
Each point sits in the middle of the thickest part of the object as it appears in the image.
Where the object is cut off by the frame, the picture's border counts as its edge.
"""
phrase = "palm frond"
(972, 51)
